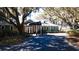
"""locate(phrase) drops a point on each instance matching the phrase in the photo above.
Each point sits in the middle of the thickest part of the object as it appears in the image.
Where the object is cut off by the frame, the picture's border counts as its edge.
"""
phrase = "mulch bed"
(11, 40)
(73, 40)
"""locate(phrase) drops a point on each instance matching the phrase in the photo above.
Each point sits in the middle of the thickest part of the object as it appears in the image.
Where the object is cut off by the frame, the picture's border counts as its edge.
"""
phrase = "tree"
(69, 15)
(16, 15)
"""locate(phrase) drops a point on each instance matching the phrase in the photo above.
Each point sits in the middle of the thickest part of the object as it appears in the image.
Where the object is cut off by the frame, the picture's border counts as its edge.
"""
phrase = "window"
(0, 26)
(11, 28)
(3, 27)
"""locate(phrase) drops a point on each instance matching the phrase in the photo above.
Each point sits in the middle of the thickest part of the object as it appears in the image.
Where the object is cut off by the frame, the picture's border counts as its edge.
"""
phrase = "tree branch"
(25, 15)
(15, 17)
(10, 13)
(13, 23)
(10, 21)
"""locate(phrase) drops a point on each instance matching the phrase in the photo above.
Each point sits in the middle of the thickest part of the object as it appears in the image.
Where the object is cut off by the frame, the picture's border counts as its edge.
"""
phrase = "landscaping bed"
(73, 38)
(12, 38)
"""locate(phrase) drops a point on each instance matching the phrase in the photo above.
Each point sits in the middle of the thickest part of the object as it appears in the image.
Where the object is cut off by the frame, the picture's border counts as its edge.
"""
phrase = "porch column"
(29, 29)
(40, 29)
(36, 29)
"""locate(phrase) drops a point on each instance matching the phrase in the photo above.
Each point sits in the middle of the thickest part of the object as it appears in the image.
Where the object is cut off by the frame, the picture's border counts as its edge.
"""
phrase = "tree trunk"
(21, 28)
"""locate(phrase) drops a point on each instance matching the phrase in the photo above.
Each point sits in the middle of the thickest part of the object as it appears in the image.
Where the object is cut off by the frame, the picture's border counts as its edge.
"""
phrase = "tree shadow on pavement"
(41, 43)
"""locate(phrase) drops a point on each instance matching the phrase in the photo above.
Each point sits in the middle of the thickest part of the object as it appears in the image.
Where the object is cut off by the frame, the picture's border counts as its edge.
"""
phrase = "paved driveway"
(41, 43)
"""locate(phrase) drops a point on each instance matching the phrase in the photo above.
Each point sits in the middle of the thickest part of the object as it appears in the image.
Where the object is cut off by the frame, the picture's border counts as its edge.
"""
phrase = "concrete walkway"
(58, 34)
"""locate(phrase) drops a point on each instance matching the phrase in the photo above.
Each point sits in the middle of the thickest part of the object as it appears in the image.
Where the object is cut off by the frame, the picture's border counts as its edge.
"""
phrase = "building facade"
(4, 26)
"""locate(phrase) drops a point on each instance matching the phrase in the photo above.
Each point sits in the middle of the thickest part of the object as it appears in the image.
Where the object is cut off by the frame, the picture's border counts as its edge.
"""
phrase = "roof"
(49, 24)
(35, 23)
(29, 21)
(4, 23)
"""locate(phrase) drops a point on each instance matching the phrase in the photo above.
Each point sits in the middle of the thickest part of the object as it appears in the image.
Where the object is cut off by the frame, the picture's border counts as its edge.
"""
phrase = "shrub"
(73, 32)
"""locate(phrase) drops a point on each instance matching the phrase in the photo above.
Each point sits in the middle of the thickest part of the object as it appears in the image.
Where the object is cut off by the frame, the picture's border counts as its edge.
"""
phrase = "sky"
(33, 15)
